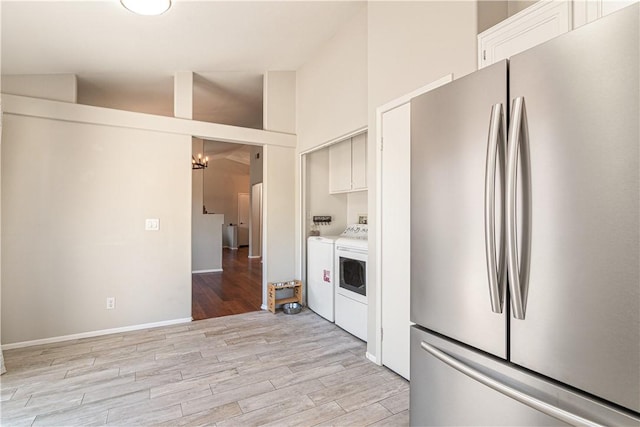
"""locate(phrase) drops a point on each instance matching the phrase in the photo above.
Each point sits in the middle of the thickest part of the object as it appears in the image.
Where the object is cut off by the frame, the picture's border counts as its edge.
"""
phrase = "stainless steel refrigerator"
(525, 244)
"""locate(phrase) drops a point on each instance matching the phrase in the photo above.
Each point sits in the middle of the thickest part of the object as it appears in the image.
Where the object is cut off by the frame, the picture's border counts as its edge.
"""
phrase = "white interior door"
(243, 219)
(255, 236)
(396, 238)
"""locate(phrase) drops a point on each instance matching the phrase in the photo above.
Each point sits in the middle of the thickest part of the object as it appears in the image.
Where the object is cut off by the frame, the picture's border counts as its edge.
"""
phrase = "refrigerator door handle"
(496, 146)
(506, 389)
(518, 145)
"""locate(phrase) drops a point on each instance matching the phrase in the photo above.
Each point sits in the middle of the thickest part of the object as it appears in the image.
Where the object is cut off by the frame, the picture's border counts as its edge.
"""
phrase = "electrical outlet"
(111, 303)
(152, 224)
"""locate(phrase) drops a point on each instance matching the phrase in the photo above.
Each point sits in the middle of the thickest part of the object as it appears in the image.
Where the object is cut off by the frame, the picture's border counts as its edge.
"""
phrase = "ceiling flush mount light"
(200, 163)
(147, 7)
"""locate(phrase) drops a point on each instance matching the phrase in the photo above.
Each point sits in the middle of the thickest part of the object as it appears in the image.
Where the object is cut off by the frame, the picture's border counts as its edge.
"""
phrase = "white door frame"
(248, 214)
(252, 238)
(302, 194)
(377, 357)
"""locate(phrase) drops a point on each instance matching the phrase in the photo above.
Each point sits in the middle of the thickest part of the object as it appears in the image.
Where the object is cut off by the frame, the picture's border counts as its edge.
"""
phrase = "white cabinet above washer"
(348, 165)
(538, 23)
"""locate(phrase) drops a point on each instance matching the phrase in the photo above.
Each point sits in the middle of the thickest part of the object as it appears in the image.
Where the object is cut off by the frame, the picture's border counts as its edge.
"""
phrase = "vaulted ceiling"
(127, 61)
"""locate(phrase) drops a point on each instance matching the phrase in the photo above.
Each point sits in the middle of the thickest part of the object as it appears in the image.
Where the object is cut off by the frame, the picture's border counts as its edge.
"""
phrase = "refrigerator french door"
(525, 220)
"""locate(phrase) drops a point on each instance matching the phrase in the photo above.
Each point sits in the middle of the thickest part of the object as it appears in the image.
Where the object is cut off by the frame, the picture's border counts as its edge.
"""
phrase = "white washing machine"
(320, 275)
(351, 301)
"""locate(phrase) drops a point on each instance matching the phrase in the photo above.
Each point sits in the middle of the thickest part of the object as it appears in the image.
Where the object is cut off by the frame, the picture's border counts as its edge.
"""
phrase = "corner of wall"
(56, 87)
(279, 101)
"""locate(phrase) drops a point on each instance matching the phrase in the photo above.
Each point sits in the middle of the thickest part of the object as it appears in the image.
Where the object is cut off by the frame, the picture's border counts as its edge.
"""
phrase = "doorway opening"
(225, 279)
(234, 290)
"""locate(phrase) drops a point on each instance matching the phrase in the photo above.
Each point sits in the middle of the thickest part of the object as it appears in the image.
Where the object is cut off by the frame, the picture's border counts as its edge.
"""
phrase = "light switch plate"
(152, 224)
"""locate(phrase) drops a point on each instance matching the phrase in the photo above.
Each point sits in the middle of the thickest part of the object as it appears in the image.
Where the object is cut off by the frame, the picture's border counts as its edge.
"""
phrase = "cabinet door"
(585, 11)
(534, 25)
(340, 167)
(359, 162)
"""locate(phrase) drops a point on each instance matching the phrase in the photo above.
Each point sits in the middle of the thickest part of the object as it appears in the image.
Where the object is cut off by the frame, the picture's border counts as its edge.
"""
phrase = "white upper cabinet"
(359, 162)
(585, 11)
(538, 23)
(340, 167)
(348, 165)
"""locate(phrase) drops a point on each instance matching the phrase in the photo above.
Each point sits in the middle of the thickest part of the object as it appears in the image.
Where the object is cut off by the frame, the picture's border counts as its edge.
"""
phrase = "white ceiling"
(127, 61)
(217, 150)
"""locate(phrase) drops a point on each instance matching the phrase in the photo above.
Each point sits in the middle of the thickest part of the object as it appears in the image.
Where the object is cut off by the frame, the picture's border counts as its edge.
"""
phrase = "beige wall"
(255, 166)
(58, 87)
(206, 242)
(94, 126)
(319, 201)
(357, 204)
(332, 87)
(515, 6)
(414, 43)
(223, 180)
(206, 230)
(491, 12)
(278, 215)
(388, 50)
(74, 202)
(279, 98)
(130, 96)
(331, 92)
(410, 45)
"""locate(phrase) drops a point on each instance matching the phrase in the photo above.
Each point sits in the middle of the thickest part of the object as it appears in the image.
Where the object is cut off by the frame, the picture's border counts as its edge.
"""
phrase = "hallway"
(237, 289)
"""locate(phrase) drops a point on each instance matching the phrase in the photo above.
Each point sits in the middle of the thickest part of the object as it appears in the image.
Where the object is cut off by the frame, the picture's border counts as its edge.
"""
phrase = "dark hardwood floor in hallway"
(235, 290)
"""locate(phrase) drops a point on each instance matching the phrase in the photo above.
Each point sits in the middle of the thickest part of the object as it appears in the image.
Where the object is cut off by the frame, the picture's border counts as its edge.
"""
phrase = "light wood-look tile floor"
(243, 370)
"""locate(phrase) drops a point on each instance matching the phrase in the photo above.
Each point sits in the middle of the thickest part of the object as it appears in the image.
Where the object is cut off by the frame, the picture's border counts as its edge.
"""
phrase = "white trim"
(409, 96)
(214, 270)
(79, 113)
(254, 256)
(372, 358)
(230, 248)
(95, 333)
(264, 307)
(301, 231)
(556, 12)
(377, 250)
(336, 140)
(302, 182)
(265, 222)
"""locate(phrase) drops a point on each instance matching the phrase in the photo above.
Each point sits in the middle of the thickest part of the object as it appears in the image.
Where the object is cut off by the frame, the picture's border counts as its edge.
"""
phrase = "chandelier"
(200, 163)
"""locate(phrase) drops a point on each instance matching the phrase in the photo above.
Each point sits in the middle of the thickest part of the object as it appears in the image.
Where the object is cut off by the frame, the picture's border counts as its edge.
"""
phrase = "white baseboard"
(94, 333)
(229, 247)
(372, 358)
(214, 270)
(256, 256)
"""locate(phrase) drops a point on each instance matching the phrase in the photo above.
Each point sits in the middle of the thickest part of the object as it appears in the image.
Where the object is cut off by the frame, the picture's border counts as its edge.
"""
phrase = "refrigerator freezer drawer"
(443, 395)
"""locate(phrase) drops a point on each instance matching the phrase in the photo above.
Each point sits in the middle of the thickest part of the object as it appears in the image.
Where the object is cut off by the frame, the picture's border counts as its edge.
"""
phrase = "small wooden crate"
(274, 287)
